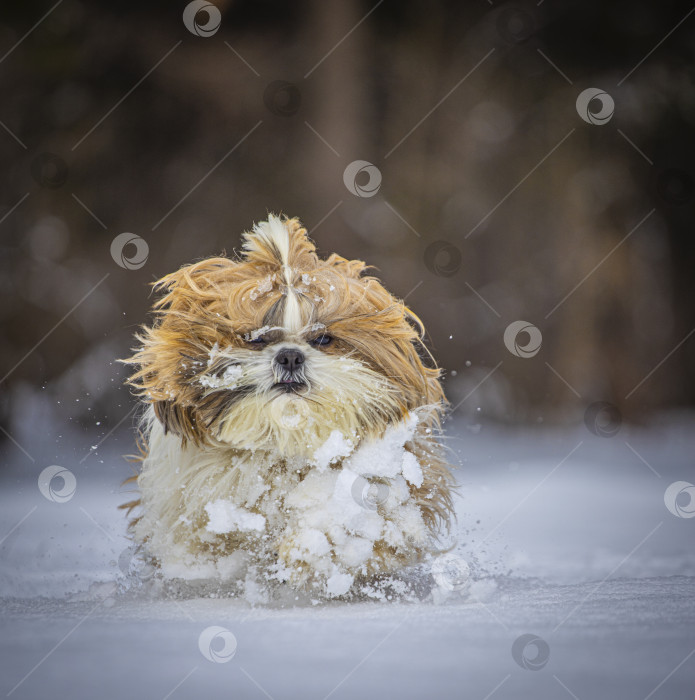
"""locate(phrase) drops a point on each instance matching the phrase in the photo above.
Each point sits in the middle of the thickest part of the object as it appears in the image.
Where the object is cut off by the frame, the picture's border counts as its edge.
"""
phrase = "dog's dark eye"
(257, 341)
(322, 340)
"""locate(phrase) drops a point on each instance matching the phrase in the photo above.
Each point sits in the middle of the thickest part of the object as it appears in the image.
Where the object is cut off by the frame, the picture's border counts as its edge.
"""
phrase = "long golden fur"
(219, 420)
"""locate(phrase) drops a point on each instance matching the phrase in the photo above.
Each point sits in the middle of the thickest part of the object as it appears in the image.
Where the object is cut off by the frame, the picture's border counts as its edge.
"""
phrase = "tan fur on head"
(209, 368)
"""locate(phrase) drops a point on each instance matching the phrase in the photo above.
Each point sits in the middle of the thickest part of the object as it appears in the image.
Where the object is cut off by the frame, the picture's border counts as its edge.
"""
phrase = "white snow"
(311, 544)
(263, 287)
(345, 511)
(339, 584)
(227, 380)
(411, 469)
(214, 351)
(224, 517)
(335, 447)
(583, 553)
(257, 333)
(384, 457)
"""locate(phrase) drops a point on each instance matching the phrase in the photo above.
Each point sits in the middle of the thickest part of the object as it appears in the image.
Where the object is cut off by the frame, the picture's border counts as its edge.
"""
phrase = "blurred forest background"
(497, 202)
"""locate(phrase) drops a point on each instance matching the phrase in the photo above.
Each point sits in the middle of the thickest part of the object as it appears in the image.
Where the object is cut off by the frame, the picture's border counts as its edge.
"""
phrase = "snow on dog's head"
(278, 349)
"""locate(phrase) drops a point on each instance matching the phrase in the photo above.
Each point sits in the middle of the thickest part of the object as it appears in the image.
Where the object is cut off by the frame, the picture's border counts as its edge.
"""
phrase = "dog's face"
(277, 350)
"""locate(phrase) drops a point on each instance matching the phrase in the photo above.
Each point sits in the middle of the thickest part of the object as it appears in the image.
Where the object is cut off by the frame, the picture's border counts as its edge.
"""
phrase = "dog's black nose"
(290, 359)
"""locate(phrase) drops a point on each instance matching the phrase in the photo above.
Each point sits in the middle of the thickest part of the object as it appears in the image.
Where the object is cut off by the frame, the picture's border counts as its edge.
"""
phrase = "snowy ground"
(567, 534)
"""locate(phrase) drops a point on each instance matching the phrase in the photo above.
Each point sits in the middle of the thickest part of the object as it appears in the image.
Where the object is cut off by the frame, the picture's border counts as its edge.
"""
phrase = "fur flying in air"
(291, 420)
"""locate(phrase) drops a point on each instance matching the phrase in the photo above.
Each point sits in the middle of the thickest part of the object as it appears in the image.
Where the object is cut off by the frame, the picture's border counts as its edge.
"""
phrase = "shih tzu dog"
(291, 422)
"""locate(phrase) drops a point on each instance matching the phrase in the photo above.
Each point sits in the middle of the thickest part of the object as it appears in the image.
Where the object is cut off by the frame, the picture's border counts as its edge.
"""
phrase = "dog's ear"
(385, 333)
(189, 321)
(180, 420)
